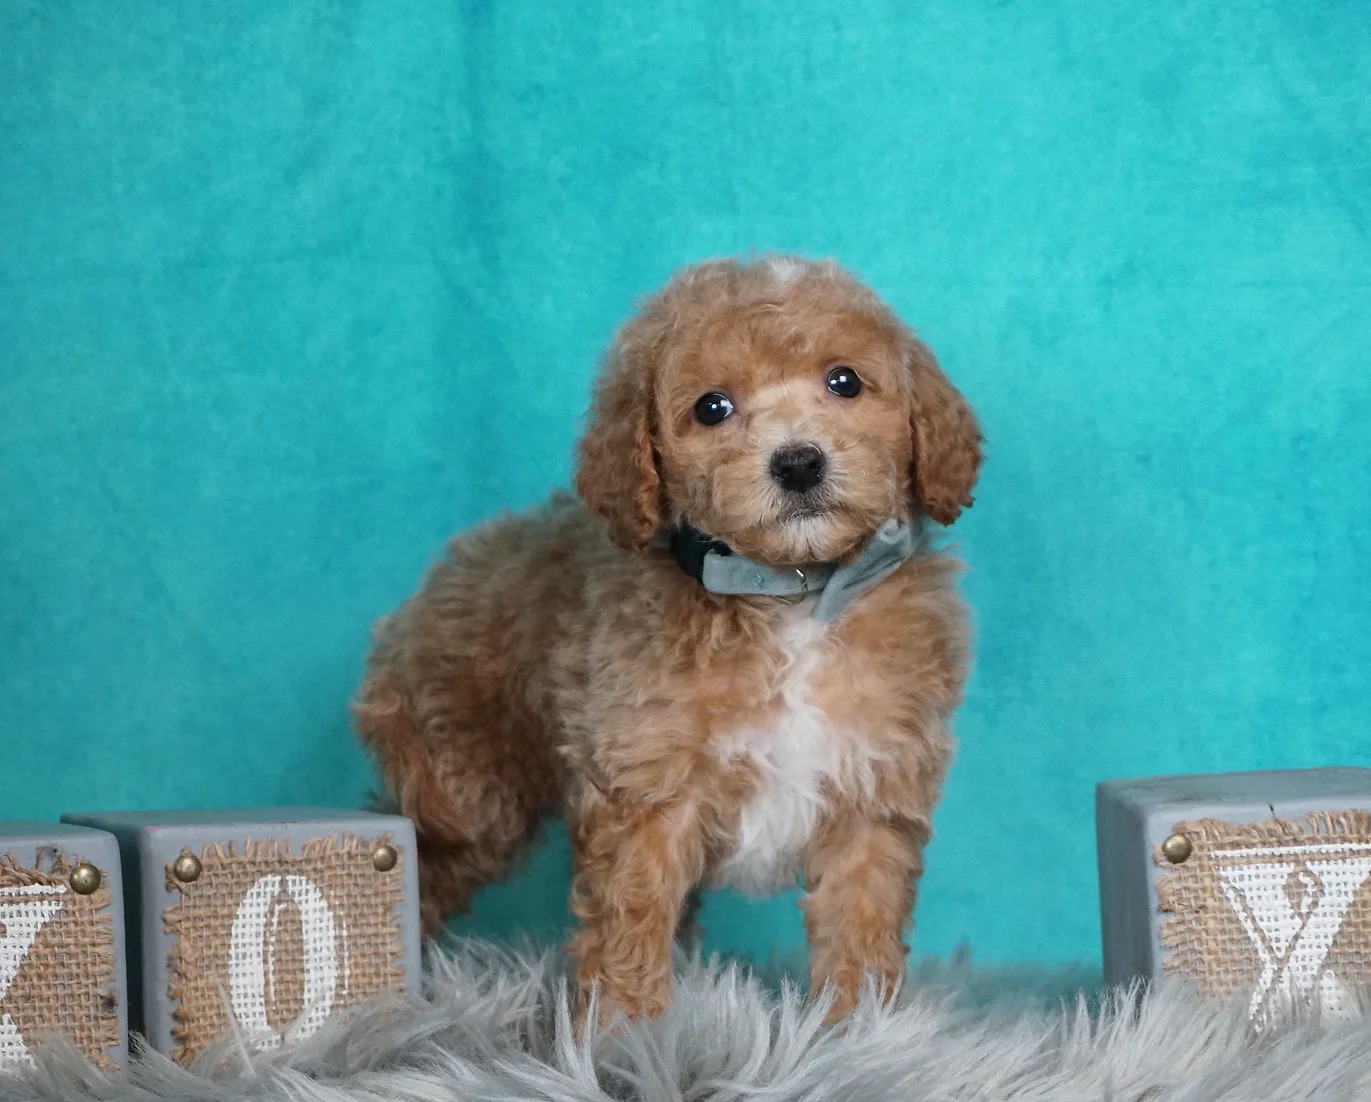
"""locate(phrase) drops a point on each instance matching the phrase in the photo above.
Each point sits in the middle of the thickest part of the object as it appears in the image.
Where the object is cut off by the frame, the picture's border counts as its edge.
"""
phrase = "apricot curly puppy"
(733, 661)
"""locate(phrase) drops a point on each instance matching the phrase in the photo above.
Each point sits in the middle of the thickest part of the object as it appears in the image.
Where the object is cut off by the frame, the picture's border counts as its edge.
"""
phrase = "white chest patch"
(794, 757)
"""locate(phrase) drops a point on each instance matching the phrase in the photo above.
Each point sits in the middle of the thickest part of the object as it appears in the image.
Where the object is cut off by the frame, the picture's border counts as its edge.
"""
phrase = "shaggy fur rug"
(494, 1025)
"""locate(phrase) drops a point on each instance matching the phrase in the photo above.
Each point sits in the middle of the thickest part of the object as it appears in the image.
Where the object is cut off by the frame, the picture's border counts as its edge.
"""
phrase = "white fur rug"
(494, 1026)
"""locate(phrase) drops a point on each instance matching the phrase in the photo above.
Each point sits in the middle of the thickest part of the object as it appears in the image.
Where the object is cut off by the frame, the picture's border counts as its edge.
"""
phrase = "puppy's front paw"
(847, 987)
(616, 1005)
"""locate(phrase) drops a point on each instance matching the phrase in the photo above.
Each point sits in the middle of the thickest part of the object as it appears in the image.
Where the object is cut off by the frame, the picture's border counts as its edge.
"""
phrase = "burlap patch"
(57, 952)
(267, 943)
(1278, 911)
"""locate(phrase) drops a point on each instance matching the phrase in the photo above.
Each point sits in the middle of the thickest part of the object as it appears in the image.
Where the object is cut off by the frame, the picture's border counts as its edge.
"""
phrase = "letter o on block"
(260, 924)
(255, 971)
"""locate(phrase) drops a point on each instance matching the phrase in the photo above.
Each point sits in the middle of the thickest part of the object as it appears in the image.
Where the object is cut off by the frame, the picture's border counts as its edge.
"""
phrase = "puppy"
(732, 661)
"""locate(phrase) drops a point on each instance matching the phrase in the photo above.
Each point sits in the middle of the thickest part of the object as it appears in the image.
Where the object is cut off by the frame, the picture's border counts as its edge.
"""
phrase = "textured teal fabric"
(289, 291)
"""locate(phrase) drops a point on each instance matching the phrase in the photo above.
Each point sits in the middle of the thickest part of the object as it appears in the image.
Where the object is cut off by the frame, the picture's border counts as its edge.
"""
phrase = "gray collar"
(721, 570)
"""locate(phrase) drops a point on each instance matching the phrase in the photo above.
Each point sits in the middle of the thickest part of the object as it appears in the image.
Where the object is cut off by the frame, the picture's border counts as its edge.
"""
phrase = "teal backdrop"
(291, 291)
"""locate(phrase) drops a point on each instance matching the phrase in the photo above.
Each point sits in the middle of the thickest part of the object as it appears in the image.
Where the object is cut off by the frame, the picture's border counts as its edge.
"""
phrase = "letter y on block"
(1292, 914)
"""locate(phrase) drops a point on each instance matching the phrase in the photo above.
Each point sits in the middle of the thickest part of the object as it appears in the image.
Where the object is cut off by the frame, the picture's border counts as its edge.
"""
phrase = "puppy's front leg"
(634, 866)
(860, 876)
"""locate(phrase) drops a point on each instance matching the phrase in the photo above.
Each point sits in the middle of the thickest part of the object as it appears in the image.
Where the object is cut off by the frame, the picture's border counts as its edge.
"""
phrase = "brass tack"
(384, 858)
(187, 868)
(84, 879)
(1177, 849)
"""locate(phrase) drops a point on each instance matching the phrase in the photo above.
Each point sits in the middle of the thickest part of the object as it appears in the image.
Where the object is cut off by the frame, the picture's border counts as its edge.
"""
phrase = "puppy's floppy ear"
(947, 439)
(617, 474)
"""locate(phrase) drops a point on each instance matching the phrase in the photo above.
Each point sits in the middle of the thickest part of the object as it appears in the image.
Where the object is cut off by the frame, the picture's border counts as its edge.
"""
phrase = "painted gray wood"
(38, 845)
(1133, 816)
(149, 840)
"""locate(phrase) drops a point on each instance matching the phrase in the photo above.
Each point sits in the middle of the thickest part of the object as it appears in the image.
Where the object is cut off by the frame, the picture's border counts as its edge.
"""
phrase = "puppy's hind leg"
(474, 810)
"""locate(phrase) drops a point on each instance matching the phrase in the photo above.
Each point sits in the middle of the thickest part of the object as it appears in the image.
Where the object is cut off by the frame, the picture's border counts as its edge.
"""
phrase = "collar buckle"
(804, 589)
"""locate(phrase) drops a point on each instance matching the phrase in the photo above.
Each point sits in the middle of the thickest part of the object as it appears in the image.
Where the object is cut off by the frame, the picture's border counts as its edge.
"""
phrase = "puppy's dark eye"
(844, 382)
(713, 408)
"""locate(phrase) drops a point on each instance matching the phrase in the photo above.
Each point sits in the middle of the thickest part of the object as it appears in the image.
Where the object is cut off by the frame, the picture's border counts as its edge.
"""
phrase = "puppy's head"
(778, 406)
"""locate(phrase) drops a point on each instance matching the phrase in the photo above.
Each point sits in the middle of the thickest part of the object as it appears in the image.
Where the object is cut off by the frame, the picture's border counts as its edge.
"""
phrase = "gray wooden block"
(62, 968)
(262, 922)
(1250, 885)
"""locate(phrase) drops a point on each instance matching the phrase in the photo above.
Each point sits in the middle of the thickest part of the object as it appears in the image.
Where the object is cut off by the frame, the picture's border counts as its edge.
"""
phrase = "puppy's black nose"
(798, 467)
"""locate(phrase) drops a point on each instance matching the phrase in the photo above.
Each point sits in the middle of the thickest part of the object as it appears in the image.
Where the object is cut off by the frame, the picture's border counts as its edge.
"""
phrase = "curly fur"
(560, 662)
